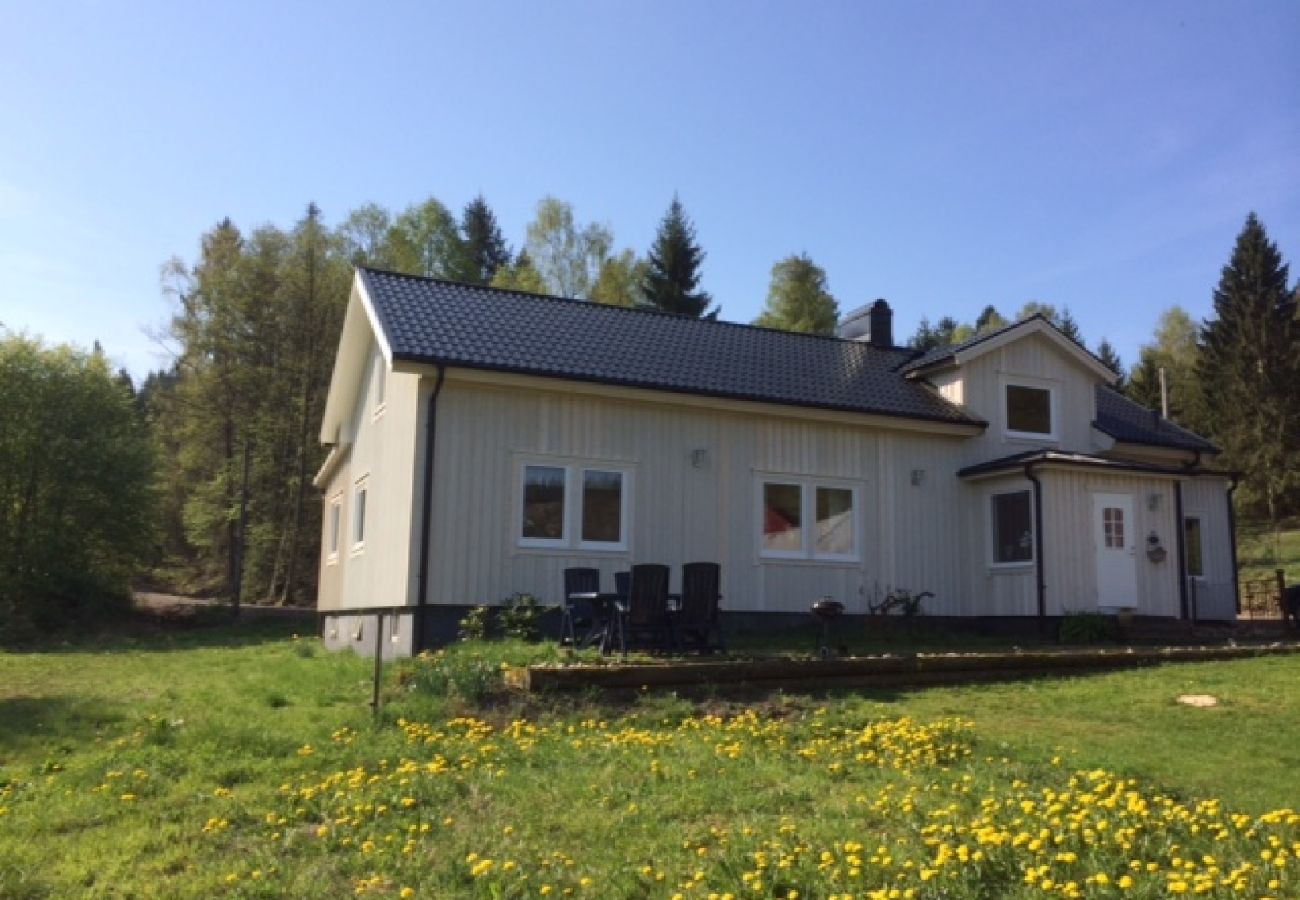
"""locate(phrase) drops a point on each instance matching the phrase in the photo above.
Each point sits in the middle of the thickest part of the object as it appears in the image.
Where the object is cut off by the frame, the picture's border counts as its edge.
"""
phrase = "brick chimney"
(873, 324)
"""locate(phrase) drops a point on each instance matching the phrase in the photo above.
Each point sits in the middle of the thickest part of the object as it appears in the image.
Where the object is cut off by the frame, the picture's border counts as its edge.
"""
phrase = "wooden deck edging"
(867, 671)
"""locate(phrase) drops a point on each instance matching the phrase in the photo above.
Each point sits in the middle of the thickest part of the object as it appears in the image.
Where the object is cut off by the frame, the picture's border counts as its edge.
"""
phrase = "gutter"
(426, 513)
(1038, 537)
(1234, 478)
(1180, 542)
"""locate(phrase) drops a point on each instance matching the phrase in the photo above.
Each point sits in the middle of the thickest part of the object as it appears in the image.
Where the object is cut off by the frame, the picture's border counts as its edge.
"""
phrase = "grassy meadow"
(1261, 553)
(246, 763)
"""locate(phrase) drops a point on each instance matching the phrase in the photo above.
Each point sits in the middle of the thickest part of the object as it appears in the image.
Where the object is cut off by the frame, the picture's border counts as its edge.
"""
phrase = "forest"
(215, 453)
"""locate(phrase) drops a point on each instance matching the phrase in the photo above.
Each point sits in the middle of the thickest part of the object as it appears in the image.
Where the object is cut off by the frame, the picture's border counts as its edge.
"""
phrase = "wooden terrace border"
(910, 670)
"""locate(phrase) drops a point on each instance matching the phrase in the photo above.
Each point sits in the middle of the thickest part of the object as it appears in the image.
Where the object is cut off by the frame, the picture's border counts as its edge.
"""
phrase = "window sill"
(332, 559)
(378, 413)
(1031, 437)
(357, 550)
(840, 562)
(567, 550)
(1015, 568)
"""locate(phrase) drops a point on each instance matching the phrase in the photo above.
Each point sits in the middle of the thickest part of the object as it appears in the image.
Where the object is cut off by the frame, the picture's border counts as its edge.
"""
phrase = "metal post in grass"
(379, 661)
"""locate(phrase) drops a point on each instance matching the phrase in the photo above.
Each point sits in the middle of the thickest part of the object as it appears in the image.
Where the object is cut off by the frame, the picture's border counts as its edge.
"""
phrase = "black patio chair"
(578, 612)
(643, 617)
(622, 585)
(697, 619)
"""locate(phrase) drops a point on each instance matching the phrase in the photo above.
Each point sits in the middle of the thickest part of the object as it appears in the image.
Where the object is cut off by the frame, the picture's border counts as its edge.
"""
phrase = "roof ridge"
(533, 295)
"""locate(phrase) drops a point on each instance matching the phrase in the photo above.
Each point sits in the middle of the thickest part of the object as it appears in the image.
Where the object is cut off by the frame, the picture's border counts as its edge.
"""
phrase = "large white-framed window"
(1011, 528)
(1193, 547)
(566, 504)
(335, 528)
(807, 518)
(1030, 409)
(360, 490)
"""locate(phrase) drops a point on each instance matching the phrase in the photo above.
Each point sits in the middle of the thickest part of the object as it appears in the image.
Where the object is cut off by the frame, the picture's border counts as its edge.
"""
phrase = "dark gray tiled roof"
(431, 321)
(1131, 423)
(1018, 461)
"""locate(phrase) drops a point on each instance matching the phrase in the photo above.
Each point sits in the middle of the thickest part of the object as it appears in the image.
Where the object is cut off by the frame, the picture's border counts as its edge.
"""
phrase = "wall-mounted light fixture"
(918, 476)
(1153, 502)
(699, 457)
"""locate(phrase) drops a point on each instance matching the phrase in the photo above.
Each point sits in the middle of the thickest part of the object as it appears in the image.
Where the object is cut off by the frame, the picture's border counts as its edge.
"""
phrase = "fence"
(1261, 598)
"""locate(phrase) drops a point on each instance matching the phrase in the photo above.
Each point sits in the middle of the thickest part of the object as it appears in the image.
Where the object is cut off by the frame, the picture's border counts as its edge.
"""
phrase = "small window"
(381, 382)
(806, 520)
(602, 507)
(571, 505)
(1029, 410)
(1112, 523)
(1013, 528)
(782, 518)
(835, 522)
(543, 514)
(335, 524)
(359, 517)
(1192, 544)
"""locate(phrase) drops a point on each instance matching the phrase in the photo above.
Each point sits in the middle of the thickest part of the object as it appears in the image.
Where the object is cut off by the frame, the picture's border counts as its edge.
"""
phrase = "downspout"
(1038, 539)
(1232, 540)
(426, 513)
(1180, 541)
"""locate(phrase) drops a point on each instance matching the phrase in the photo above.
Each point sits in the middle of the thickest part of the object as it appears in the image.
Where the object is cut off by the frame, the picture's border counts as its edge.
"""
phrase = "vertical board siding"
(1207, 499)
(383, 449)
(682, 513)
(1070, 533)
(1039, 359)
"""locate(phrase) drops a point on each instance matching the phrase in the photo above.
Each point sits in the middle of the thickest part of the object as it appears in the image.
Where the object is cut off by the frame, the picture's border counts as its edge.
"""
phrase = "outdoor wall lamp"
(1155, 552)
(918, 476)
(699, 458)
(1153, 502)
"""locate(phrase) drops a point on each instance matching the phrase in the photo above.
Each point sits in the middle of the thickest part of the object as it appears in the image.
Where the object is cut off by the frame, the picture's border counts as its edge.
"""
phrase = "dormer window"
(1030, 411)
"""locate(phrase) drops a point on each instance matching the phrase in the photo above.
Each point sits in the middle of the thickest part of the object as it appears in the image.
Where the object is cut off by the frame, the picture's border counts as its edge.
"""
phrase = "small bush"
(477, 624)
(521, 617)
(462, 676)
(1087, 628)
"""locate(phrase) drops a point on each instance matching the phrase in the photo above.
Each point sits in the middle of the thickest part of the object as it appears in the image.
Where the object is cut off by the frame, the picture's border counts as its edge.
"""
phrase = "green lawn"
(1260, 554)
(246, 763)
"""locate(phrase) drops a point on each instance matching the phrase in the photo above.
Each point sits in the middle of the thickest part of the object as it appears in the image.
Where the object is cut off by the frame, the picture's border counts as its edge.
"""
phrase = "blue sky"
(1100, 155)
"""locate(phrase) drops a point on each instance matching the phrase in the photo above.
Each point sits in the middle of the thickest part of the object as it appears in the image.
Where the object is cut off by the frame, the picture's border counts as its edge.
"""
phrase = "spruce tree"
(484, 248)
(672, 277)
(1106, 353)
(1249, 364)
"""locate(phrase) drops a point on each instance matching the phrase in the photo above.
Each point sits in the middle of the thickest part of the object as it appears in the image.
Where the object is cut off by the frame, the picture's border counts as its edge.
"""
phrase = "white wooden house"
(483, 440)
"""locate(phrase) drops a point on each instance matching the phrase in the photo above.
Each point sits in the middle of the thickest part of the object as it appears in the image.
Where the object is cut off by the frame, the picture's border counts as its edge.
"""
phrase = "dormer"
(1034, 386)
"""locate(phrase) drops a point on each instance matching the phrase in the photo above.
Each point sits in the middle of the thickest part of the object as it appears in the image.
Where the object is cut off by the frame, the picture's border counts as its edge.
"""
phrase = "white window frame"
(1200, 517)
(808, 486)
(360, 508)
(335, 526)
(1053, 402)
(571, 525)
(991, 544)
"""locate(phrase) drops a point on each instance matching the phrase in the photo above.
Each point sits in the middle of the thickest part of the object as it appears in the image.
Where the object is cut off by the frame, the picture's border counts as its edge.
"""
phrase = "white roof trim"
(360, 332)
(338, 453)
(1032, 325)
(359, 287)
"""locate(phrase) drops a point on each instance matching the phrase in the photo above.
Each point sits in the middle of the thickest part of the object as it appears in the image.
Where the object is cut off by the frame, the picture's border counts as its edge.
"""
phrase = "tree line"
(207, 467)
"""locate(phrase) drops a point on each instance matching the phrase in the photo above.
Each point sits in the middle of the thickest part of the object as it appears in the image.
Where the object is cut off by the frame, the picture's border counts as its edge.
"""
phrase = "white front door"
(1112, 517)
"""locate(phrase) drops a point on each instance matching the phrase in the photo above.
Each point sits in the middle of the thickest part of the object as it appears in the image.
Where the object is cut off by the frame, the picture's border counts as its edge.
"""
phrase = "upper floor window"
(566, 505)
(805, 519)
(1030, 411)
